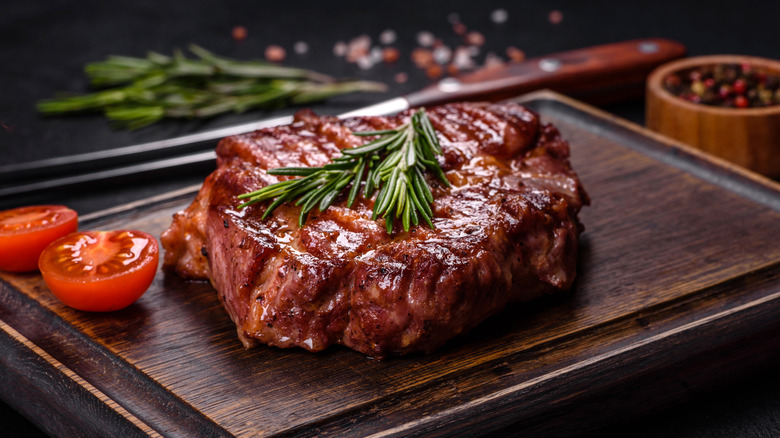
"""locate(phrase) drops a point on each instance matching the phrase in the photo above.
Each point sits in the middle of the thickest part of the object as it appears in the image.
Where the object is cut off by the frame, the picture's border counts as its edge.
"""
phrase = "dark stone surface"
(45, 45)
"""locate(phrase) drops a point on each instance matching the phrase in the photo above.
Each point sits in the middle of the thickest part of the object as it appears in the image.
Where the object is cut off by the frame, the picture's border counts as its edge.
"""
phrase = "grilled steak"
(506, 231)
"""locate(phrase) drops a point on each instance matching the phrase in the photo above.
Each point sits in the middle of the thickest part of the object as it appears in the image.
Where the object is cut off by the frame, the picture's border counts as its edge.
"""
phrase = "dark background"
(44, 46)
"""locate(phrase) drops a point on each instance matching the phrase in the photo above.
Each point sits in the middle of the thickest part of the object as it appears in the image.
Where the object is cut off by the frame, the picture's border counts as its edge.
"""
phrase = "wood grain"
(748, 137)
(678, 286)
(601, 74)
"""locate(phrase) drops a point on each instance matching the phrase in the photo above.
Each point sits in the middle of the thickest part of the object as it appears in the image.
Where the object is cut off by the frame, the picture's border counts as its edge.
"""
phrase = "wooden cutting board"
(678, 287)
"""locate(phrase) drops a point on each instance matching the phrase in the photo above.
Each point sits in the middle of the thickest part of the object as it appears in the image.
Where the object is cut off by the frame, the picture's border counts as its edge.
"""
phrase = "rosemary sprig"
(145, 90)
(393, 163)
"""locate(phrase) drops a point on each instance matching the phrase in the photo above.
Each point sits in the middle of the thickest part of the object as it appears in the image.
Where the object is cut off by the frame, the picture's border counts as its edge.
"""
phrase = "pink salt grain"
(425, 38)
(475, 38)
(387, 36)
(275, 53)
(555, 16)
(462, 60)
(358, 48)
(340, 48)
(493, 61)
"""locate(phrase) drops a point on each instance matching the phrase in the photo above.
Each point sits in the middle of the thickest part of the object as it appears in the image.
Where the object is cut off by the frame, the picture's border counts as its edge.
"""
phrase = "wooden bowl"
(748, 137)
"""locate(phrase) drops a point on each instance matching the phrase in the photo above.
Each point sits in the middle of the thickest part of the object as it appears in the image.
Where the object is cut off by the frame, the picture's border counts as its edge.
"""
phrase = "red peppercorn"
(515, 54)
(673, 81)
(740, 86)
(390, 54)
(728, 85)
(239, 33)
(422, 58)
(434, 71)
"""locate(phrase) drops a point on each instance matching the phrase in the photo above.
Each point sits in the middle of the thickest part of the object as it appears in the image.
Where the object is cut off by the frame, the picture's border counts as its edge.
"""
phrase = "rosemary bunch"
(142, 91)
(393, 163)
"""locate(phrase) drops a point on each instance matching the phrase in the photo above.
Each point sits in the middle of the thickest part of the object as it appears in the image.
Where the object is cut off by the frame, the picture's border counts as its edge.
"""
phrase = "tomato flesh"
(100, 271)
(26, 231)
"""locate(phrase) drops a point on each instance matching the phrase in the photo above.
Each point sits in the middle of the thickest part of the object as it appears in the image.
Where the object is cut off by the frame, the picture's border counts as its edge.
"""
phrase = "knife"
(598, 74)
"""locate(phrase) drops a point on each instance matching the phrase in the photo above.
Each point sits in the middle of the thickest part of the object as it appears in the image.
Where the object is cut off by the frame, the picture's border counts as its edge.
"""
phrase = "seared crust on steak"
(506, 231)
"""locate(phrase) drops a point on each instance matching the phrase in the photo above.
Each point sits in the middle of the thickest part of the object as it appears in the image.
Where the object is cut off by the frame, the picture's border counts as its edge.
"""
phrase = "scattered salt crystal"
(376, 54)
(275, 53)
(425, 38)
(442, 54)
(358, 48)
(401, 77)
(459, 29)
(555, 16)
(499, 16)
(340, 48)
(365, 62)
(301, 47)
(387, 36)
(473, 50)
(240, 33)
(492, 60)
(462, 59)
(453, 18)
(475, 38)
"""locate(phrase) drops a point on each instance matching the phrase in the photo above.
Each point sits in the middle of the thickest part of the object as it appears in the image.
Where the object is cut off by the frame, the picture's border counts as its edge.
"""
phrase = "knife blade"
(607, 72)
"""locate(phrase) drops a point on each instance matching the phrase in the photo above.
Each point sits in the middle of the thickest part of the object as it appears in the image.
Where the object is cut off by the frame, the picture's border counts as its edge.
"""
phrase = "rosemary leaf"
(393, 162)
(205, 86)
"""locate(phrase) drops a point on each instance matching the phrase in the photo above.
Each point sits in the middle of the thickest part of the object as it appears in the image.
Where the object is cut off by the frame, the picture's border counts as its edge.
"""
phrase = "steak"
(505, 231)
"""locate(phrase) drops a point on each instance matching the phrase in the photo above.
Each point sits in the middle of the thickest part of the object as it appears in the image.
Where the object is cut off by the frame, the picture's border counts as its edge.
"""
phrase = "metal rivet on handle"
(449, 85)
(550, 64)
(648, 47)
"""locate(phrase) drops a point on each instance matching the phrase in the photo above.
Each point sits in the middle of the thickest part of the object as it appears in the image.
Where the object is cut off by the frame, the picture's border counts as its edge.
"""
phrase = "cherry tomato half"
(26, 231)
(100, 271)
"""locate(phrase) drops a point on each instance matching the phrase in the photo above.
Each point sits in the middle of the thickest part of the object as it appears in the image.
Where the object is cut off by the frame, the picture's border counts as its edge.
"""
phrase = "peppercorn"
(740, 86)
(728, 85)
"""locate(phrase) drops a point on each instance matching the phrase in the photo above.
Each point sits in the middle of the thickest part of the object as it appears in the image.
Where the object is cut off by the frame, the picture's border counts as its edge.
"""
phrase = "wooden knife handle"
(600, 74)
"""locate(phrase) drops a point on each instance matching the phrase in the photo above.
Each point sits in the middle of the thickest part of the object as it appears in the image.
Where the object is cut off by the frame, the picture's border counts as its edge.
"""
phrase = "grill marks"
(507, 231)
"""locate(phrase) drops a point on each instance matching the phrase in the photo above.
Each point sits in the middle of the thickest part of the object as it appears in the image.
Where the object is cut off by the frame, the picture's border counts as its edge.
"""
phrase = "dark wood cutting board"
(678, 287)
